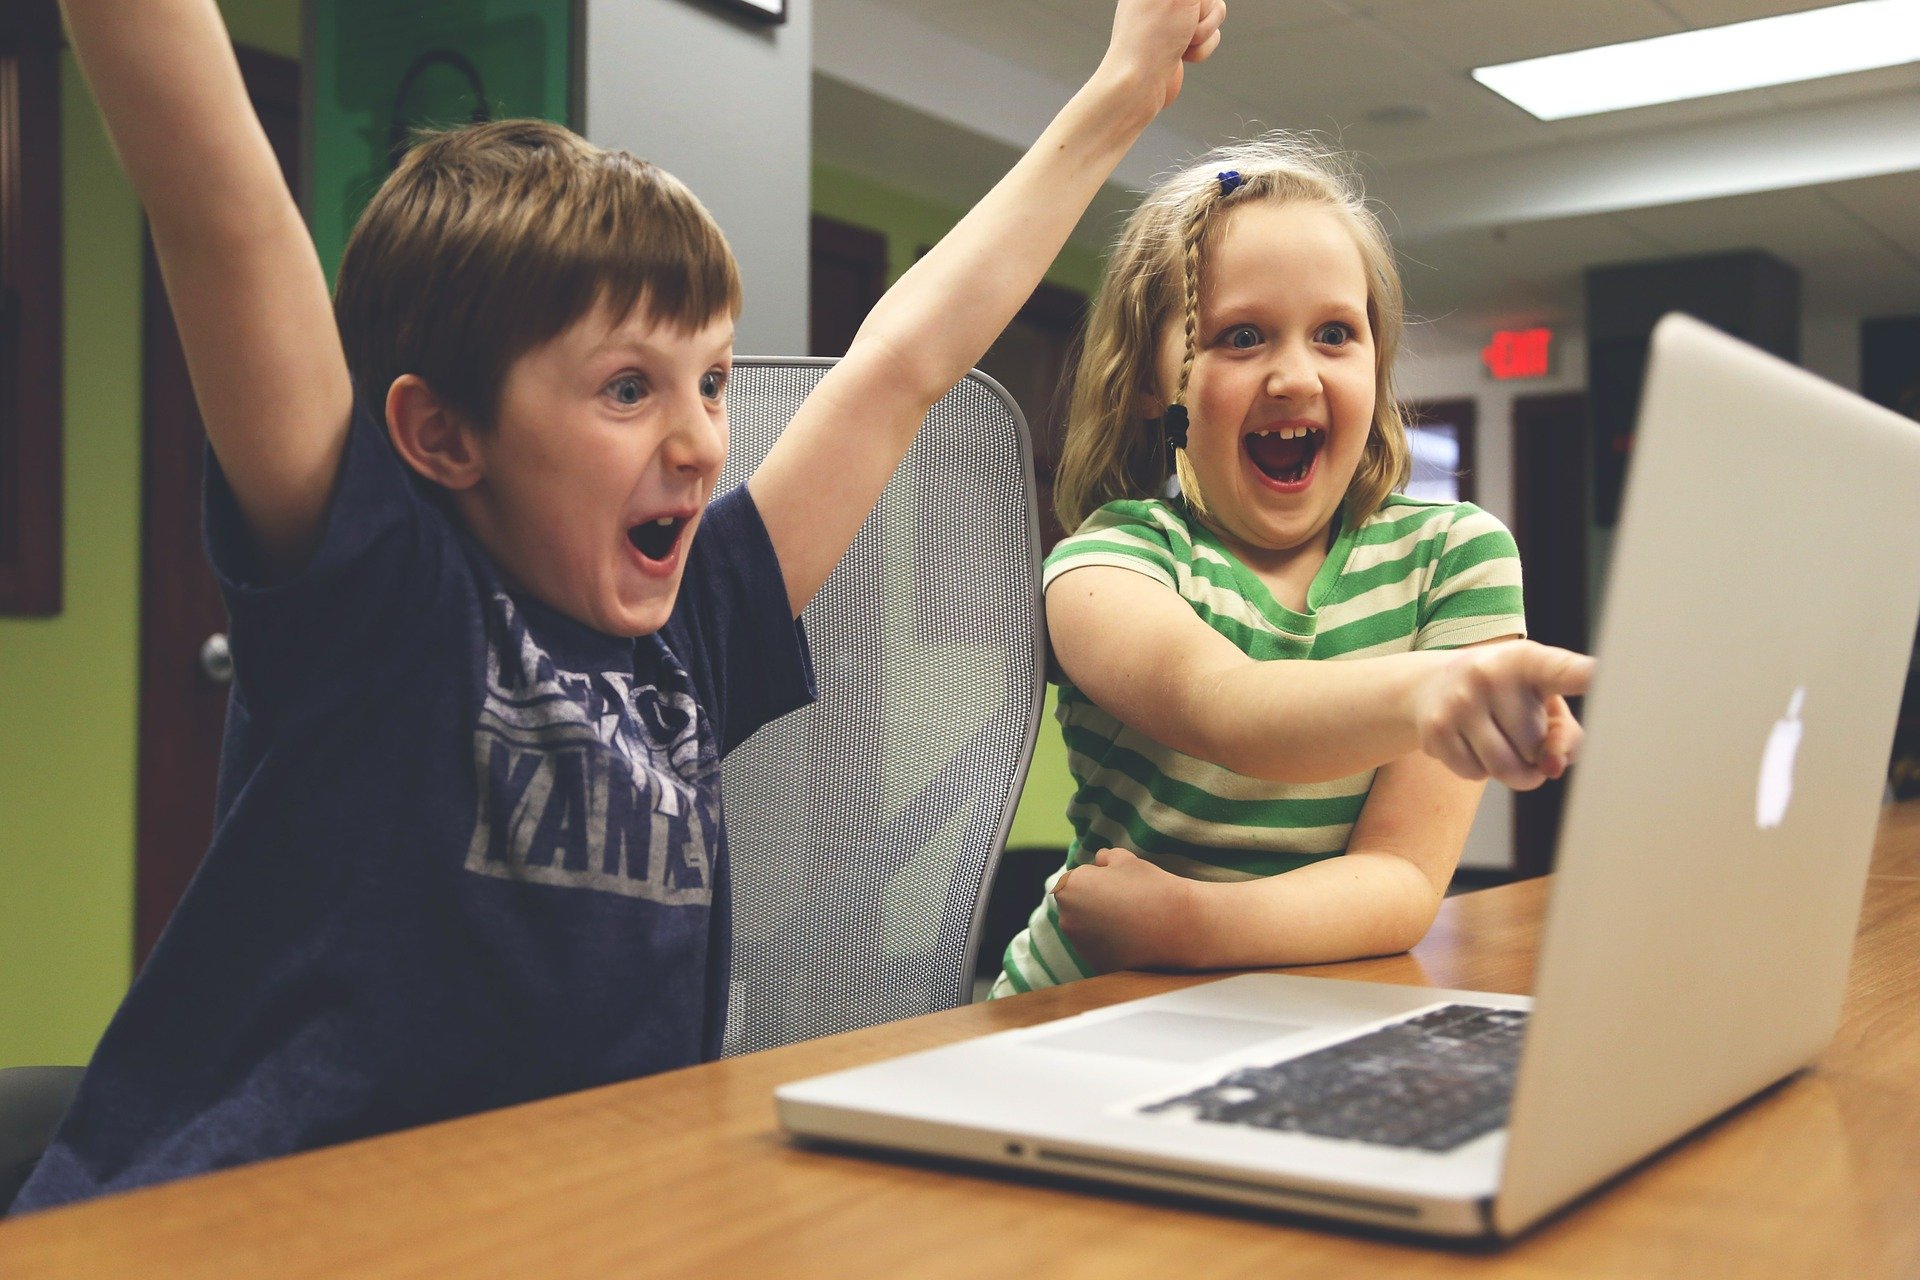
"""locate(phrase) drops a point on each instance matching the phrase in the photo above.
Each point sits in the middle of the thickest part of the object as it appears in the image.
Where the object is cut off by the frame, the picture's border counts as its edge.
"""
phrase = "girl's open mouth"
(1285, 454)
(655, 539)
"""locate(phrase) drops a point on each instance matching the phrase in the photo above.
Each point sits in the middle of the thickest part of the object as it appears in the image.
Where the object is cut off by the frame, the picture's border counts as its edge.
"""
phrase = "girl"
(1235, 810)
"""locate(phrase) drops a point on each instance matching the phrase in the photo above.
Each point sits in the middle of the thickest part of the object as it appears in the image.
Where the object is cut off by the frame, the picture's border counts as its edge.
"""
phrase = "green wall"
(68, 684)
(908, 223)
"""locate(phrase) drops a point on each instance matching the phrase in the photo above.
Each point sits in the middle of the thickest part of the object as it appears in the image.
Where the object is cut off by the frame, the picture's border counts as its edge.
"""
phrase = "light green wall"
(69, 684)
(909, 223)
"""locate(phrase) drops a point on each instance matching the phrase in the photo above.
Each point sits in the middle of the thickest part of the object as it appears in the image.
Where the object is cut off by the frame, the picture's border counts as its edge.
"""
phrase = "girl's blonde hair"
(1153, 276)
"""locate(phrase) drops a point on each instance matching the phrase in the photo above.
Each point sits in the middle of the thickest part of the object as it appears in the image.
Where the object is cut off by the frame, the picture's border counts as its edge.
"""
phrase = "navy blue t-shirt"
(468, 851)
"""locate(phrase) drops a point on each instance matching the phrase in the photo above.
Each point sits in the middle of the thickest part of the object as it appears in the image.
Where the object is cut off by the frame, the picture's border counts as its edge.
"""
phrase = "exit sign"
(1519, 353)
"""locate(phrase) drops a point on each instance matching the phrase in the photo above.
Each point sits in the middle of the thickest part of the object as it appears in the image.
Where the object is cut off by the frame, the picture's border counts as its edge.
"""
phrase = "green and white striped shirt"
(1414, 575)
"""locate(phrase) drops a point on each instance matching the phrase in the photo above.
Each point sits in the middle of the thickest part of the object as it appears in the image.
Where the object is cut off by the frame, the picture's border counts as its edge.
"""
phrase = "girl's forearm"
(1308, 722)
(1359, 904)
(931, 326)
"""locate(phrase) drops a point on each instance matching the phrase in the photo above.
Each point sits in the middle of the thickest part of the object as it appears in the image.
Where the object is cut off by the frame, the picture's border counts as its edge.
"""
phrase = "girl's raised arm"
(828, 469)
(244, 280)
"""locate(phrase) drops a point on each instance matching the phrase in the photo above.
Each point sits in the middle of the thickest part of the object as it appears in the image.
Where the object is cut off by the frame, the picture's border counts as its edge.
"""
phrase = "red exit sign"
(1519, 353)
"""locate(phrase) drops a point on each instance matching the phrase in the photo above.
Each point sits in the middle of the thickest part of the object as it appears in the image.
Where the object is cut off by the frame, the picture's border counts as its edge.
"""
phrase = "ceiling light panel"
(1836, 40)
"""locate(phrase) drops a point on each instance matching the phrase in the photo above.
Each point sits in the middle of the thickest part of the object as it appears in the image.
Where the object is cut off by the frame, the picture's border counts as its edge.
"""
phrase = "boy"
(492, 638)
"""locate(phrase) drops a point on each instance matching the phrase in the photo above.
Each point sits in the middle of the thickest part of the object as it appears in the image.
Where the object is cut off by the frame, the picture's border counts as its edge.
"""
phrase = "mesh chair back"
(865, 828)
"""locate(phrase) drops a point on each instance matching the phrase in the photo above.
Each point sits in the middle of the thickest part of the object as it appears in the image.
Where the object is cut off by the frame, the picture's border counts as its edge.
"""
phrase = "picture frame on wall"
(768, 11)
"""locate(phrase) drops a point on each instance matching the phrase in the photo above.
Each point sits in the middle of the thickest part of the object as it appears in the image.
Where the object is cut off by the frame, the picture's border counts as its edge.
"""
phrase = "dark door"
(183, 695)
(1031, 358)
(847, 274)
(1550, 524)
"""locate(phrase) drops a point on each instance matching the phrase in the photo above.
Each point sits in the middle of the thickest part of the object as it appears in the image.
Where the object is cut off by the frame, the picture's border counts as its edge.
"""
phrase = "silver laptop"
(1761, 608)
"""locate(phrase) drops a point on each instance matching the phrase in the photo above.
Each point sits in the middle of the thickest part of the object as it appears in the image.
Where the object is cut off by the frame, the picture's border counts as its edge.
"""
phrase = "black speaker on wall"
(1890, 363)
(1750, 294)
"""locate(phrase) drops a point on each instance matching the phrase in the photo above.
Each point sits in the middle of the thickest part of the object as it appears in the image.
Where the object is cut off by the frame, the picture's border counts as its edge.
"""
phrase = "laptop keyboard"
(1431, 1082)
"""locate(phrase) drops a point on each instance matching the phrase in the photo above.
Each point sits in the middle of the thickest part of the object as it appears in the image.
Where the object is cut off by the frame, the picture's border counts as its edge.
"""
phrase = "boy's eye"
(712, 383)
(1242, 337)
(627, 390)
(1334, 335)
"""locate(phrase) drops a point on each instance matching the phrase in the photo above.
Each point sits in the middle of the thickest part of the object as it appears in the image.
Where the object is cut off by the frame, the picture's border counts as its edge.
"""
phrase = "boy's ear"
(431, 435)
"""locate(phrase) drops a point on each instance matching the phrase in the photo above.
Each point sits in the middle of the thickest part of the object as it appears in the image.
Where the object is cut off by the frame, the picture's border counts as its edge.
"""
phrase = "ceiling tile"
(1890, 205)
(1861, 84)
(1463, 34)
(1718, 13)
(1837, 251)
(1307, 78)
(1022, 32)
(1522, 274)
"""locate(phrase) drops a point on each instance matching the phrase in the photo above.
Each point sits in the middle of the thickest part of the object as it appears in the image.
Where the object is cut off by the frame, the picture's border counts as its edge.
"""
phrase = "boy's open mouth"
(655, 538)
(1285, 454)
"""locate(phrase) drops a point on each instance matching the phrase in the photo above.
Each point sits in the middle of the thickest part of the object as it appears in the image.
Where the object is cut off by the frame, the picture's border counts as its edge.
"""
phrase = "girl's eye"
(1242, 337)
(628, 390)
(712, 383)
(1334, 335)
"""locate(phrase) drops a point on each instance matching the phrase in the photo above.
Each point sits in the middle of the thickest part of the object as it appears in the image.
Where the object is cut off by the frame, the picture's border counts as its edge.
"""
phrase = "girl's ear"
(431, 435)
(1148, 400)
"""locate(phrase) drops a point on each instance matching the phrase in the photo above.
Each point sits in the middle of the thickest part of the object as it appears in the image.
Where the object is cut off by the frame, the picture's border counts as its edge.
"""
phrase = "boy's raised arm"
(828, 469)
(244, 281)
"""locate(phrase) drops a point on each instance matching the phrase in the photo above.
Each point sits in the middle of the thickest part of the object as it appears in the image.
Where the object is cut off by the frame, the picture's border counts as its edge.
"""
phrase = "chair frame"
(962, 992)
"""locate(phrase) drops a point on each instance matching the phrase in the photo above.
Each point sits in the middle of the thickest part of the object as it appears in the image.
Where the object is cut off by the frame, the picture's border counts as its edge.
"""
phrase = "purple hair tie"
(1230, 182)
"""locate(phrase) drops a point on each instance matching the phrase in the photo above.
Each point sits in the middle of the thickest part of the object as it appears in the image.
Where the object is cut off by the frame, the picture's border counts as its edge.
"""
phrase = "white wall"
(725, 104)
(1442, 362)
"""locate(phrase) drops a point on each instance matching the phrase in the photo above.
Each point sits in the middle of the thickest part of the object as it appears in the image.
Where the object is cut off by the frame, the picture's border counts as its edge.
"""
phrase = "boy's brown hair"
(489, 240)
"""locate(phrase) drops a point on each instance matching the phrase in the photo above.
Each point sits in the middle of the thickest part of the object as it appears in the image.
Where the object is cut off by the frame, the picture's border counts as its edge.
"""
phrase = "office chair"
(33, 1100)
(865, 828)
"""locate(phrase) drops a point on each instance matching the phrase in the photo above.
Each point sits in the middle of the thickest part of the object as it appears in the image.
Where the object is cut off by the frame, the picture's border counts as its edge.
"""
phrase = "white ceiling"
(1495, 213)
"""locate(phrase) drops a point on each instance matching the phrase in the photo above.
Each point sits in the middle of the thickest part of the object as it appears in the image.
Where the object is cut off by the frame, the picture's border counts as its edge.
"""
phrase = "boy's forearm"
(1358, 904)
(243, 280)
(169, 89)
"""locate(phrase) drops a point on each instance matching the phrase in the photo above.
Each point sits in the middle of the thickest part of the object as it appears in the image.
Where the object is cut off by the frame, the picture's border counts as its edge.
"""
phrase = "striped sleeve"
(1475, 592)
(1125, 535)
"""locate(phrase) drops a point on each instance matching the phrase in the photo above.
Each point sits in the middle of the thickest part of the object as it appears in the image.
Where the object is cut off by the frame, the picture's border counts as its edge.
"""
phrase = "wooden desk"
(686, 1174)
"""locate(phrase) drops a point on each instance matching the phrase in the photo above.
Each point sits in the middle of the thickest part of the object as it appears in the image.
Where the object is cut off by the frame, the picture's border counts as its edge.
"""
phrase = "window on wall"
(1440, 438)
(29, 308)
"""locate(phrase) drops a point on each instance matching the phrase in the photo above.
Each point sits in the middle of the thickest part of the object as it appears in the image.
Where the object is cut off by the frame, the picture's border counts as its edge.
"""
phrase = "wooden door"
(847, 273)
(1550, 524)
(1032, 359)
(183, 701)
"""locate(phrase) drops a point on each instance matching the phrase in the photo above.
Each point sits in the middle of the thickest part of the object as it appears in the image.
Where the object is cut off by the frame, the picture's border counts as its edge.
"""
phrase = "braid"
(1191, 237)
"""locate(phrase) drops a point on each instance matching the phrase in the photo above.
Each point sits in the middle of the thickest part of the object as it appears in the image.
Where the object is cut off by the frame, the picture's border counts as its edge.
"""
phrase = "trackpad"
(1166, 1037)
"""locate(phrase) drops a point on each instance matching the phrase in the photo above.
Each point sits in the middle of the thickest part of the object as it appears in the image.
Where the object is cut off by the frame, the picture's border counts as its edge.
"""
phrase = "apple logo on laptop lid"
(1776, 765)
